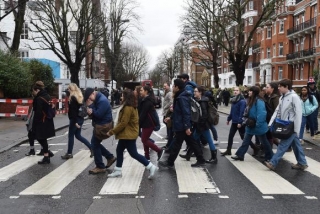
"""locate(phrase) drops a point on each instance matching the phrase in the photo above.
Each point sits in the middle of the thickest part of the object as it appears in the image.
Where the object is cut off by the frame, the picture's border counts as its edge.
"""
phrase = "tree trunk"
(239, 71)
(74, 71)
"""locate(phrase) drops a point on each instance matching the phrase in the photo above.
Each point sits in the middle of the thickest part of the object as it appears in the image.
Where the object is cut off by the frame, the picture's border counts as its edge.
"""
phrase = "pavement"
(13, 131)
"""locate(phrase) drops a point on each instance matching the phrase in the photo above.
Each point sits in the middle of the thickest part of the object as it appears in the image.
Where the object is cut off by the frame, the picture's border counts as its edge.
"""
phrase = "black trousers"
(44, 144)
(179, 137)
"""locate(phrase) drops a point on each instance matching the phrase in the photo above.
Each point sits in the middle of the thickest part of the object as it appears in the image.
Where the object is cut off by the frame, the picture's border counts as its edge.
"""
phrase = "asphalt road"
(242, 187)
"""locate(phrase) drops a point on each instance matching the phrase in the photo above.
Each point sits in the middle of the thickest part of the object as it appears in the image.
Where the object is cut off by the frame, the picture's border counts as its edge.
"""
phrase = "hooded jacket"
(309, 107)
(181, 117)
(101, 110)
(258, 112)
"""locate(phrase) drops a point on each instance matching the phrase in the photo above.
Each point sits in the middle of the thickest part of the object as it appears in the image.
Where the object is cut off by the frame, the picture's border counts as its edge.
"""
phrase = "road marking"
(193, 179)
(58, 179)
(310, 197)
(56, 197)
(182, 196)
(267, 197)
(226, 142)
(159, 136)
(267, 181)
(140, 196)
(18, 166)
(223, 196)
(14, 197)
(129, 183)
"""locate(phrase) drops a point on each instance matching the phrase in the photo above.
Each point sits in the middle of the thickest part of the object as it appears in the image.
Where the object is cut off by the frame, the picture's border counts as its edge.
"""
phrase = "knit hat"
(87, 93)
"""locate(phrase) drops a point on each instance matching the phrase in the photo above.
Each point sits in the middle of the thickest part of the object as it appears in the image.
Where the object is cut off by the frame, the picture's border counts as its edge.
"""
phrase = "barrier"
(25, 101)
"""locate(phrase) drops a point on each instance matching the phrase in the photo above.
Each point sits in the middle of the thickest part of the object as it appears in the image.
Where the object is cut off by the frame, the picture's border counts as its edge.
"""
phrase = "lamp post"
(186, 33)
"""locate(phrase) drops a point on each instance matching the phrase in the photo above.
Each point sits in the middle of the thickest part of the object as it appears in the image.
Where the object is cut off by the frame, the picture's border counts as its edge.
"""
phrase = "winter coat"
(101, 110)
(167, 102)
(181, 117)
(73, 110)
(236, 111)
(128, 124)
(203, 123)
(258, 112)
(289, 109)
(190, 86)
(42, 127)
(309, 107)
(145, 112)
(273, 101)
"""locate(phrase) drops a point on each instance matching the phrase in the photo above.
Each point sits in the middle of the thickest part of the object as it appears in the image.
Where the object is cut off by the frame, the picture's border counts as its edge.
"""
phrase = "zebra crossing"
(189, 180)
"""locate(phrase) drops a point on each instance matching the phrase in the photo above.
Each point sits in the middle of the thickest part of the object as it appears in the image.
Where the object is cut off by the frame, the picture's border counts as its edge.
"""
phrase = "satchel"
(100, 131)
(282, 129)
(250, 122)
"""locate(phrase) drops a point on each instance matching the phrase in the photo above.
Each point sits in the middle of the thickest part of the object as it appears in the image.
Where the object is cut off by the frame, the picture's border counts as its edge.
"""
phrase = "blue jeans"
(98, 151)
(283, 147)
(131, 147)
(75, 132)
(214, 132)
(206, 135)
(315, 119)
(247, 141)
(307, 119)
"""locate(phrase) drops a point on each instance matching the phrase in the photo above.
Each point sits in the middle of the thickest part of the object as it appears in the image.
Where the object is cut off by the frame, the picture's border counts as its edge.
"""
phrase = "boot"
(31, 152)
(213, 157)
(187, 156)
(45, 160)
(50, 154)
(152, 169)
(227, 152)
(117, 172)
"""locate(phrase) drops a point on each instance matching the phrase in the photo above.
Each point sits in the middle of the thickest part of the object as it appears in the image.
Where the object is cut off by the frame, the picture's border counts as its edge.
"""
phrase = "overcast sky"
(161, 25)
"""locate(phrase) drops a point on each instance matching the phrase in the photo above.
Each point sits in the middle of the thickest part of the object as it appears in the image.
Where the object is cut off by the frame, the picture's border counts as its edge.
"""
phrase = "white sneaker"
(301, 141)
(216, 142)
(117, 172)
(152, 170)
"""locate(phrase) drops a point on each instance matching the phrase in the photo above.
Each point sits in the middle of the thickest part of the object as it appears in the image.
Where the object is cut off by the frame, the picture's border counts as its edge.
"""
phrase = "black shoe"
(40, 153)
(237, 158)
(187, 157)
(160, 153)
(45, 160)
(165, 164)
(198, 164)
(317, 132)
(227, 152)
(67, 156)
(50, 154)
(213, 158)
(31, 152)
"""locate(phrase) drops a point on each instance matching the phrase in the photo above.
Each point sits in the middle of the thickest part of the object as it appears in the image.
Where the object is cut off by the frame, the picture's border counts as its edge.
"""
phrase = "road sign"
(22, 110)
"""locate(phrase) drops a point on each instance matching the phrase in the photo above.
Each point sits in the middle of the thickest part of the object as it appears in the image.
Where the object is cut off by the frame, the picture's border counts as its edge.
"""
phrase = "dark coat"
(273, 101)
(236, 111)
(42, 128)
(73, 110)
(146, 107)
(203, 124)
(181, 117)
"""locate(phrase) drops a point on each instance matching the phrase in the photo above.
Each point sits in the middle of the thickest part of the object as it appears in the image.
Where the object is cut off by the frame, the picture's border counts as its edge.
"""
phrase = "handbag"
(100, 131)
(282, 129)
(251, 122)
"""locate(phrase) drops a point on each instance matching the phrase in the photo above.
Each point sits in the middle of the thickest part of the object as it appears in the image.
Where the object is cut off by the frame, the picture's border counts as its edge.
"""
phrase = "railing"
(302, 26)
(301, 54)
(255, 46)
(298, 1)
(255, 64)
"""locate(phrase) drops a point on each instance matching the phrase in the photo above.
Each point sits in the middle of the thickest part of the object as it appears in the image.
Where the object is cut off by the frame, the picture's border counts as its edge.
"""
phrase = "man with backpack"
(189, 85)
(181, 119)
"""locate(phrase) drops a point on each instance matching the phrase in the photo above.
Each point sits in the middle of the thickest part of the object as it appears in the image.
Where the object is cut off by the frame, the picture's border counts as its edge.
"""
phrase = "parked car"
(157, 95)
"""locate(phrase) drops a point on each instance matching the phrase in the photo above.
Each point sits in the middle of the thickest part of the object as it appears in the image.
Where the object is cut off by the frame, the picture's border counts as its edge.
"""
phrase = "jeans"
(232, 132)
(206, 135)
(307, 119)
(75, 132)
(315, 119)
(98, 151)
(283, 147)
(214, 132)
(179, 137)
(247, 141)
(131, 147)
(147, 143)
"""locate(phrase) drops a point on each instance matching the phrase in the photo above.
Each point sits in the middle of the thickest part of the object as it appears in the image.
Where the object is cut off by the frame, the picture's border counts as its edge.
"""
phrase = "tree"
(40, 71)
(228, 27)
(66, 27)
(168, 63)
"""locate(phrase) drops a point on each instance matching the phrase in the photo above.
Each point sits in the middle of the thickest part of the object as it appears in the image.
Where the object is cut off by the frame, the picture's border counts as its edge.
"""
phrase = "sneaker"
(67, 156)
(31, 152)
(111, 161)
(301, 141)
(117, 172)
(160, 153)
(97, 171)
(165, 164)
(216, 142)
(269, 165)
(152, 169)
(198, 164)
(313, 138)
(299, 166)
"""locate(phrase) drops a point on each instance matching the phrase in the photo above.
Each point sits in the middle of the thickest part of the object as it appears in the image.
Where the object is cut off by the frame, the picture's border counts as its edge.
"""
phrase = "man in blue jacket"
(181, 121)
(100, 111)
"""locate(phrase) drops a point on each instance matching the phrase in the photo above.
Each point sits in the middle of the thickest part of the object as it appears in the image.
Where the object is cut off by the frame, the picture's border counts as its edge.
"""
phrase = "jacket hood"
(149, 98)
(193, 84)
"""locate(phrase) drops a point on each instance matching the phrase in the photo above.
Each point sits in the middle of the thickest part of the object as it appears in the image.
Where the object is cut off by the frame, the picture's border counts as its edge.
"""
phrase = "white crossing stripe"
(226, 142)
(18, 166)
(129, 183)
(313, 166)
(193, 179)
(57, 180)
(267, 181)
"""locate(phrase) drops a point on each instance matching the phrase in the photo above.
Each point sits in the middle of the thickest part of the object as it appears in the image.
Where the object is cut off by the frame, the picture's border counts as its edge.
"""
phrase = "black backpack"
(196, 112)
(213, 115)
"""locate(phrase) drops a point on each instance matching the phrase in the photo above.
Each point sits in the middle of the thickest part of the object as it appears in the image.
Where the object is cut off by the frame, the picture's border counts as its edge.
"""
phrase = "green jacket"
(128, 124)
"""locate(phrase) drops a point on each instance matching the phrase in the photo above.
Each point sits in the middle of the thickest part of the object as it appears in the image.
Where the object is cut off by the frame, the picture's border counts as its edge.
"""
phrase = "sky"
(160, 21)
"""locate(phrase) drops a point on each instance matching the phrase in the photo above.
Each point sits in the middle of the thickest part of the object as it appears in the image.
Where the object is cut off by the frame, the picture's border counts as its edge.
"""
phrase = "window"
(314, 40)
(274, 50)
(249, 65)
(250, 51)
(224, 82)
(249, 80)
(297, 72)
(302, 43)
(24, 34)
(268, 32)
(250, 5)
(280, 73)
(301, 71)
(297, 45)
(250, 20)
(281, 26)
(274, 27)
(281, 49)
(268, 53)
(230, 81)
(262, 54)
(23, 54)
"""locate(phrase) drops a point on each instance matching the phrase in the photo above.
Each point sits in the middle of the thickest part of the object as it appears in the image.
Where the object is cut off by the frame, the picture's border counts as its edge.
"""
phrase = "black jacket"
(203, 123)
(145, 109)
(73, 109)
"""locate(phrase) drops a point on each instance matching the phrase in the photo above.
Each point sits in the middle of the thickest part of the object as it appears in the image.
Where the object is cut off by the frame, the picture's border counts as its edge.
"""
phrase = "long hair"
(76, 92)
(310, 97)
(129, 99)
(255, 94)
(150, 91)
(274, 86)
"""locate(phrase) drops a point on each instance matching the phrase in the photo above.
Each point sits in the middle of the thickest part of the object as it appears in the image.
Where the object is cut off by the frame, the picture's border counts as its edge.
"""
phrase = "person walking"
(42, 126)
(212, 127)
(181, 120)
(255, 115)
(309, 105)
(289, 109)
(226, 96)
(126, 130)
(99, 110)
(167, 102)
(75, 121)
(315, 92)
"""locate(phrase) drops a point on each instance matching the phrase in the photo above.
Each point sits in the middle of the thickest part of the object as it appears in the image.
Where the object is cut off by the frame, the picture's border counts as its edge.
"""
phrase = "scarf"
(117, 115)
(236, 98)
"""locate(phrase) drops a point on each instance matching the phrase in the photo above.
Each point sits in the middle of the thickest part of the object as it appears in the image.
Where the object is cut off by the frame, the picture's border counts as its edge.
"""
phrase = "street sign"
(22, 110)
